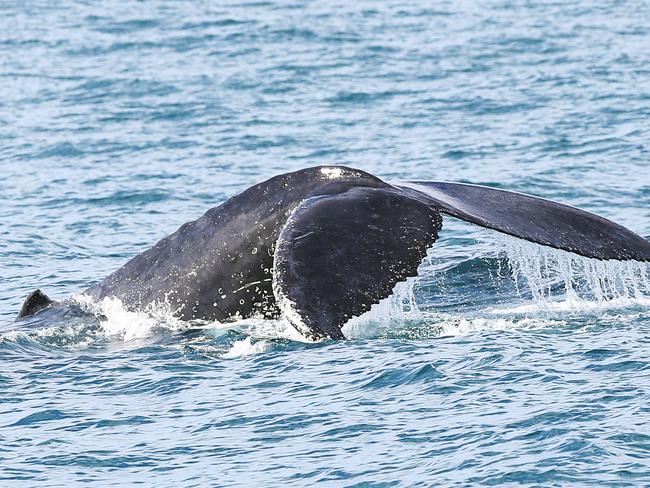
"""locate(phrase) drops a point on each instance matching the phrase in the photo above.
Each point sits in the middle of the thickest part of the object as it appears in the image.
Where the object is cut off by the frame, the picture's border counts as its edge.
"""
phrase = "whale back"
(221, 264)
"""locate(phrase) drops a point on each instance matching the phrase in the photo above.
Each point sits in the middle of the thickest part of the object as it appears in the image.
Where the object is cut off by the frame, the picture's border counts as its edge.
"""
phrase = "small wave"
(83, 323)
(260, 328)
(427, 325)
(460, 326)
(75, 337)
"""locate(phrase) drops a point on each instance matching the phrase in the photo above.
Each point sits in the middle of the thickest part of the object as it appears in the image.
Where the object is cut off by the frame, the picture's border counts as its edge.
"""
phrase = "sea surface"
(501, 364)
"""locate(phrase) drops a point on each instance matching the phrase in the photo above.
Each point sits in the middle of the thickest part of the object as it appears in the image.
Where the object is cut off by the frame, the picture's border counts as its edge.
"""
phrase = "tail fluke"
(339, 254)
(535, 219)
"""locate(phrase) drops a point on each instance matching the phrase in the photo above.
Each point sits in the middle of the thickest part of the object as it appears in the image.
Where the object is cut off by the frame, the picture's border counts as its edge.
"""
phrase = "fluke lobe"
(322, 244)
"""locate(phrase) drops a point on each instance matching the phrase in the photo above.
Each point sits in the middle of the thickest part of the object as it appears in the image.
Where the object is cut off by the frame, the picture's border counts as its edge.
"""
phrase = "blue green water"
(119, 121)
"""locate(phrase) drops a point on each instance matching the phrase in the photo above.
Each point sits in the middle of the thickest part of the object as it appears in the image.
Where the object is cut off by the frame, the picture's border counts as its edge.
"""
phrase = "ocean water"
(119, 121)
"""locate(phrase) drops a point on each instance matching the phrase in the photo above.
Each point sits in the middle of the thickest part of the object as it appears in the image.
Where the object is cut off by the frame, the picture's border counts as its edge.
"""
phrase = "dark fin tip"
(35, 301)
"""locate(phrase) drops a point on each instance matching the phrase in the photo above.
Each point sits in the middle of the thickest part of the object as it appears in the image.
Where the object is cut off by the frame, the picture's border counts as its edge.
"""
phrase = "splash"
(84, 323)
(559, 280)
(116, 321)
(398, 308)
(400, 317)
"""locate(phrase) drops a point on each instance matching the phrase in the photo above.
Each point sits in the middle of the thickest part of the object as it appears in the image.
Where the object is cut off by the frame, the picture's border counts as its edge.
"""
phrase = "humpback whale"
(323, 244)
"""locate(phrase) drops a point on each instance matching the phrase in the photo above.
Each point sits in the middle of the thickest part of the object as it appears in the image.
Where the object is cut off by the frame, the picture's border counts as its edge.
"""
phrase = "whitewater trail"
(550, 285)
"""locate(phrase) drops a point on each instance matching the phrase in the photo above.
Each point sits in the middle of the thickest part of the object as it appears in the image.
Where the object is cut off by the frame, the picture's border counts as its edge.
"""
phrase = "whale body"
(323, 244)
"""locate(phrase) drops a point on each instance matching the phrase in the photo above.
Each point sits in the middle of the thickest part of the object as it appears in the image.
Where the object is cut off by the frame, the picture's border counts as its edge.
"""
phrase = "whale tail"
(535, 219)
(35, 301)
(338, 254)
(348, 240)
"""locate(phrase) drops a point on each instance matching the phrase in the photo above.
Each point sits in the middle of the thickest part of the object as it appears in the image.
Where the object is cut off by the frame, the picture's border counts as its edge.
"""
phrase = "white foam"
(460, 326)
(247, 347)
(571, 304)
(259, 328)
